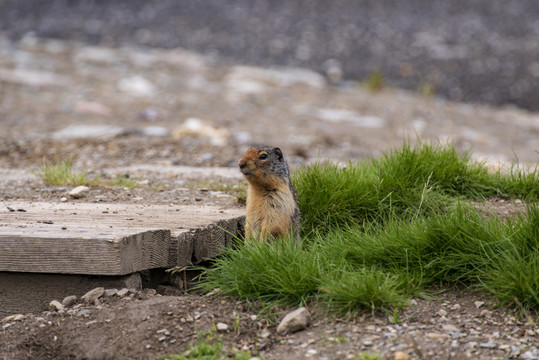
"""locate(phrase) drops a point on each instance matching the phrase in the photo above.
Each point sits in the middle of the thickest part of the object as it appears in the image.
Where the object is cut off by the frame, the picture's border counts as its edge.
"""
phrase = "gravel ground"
(474, 51)
(146, 325)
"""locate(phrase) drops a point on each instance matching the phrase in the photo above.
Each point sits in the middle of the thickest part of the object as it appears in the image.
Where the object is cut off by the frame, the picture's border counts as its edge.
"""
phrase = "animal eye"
(263, 156)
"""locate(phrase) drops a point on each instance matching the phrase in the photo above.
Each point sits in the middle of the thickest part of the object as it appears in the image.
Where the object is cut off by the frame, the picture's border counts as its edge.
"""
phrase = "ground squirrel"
(271, 199)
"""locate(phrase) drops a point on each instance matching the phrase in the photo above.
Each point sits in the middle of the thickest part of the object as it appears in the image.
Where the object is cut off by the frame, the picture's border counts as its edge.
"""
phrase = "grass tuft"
(61, 173)
(208, 348)
(376, 233)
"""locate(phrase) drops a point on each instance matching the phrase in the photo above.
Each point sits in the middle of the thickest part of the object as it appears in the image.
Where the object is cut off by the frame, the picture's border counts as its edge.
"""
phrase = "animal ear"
(279, 153)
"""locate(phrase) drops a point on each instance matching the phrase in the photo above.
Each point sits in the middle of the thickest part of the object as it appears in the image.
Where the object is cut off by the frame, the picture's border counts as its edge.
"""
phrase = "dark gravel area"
(466, 50)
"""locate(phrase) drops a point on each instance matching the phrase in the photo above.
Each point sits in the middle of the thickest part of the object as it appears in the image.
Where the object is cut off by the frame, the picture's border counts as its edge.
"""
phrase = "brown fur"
(271, 198)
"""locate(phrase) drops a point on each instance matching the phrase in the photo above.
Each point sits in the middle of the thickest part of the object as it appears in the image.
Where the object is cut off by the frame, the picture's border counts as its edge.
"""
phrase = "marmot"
(272, 202)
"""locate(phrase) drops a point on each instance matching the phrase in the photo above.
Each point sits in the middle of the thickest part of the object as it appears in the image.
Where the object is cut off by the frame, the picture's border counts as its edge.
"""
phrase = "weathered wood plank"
(107, 239)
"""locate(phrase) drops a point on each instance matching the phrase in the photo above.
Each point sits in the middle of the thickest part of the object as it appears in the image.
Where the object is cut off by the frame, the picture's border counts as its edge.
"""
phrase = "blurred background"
(119, 83)
(483, 51)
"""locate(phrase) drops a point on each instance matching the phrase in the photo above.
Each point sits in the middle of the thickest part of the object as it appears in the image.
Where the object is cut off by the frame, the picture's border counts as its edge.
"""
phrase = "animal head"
(260, 164)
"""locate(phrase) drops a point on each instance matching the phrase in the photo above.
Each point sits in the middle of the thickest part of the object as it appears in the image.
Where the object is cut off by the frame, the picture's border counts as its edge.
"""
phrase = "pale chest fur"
(270, 211)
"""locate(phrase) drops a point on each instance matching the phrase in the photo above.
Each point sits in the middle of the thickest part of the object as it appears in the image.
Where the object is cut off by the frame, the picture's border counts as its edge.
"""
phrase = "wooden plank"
(107, 239)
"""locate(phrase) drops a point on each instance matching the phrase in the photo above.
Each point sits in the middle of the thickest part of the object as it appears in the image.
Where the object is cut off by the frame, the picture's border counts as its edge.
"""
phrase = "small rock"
(92, 296)
(157, 131)
(351, 117)
(478, 304)
(79, 192)
(92, 108)
(441, 312)
(63, 199)
(196, 128)
(450, 328)
(110, 292)
(15, 317)
(73, 132)
(123, 292)
(221, 326)
(162, 338)
(294, 321)
(136, 86)
(83, 312)
(56, 305)
(488, 345)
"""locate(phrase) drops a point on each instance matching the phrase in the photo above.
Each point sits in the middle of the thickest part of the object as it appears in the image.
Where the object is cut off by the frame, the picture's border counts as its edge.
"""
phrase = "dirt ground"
(115, 111)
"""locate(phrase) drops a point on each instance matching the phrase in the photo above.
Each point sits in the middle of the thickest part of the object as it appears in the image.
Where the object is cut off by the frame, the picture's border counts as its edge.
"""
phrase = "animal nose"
(242, 164)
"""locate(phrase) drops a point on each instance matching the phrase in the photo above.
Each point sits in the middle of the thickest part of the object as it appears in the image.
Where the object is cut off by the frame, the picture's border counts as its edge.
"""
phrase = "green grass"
(208, 348)
(376, 233)
(61, 173)
(375, 81)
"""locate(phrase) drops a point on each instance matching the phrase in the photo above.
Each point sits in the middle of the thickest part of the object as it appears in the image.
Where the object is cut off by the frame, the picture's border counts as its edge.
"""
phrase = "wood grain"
(110, 239)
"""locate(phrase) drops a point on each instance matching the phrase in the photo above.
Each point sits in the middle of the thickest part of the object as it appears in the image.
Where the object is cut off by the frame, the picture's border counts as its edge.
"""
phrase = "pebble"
(83, 313)
(122, 292)
(488, 345)
(69, 300)
(478, 304)
(294, 321)
(221, 326)
(92, 296)
(136, 86)
(98, 132)
(110, 292)
(442, 312)
(79, 192)
(352, 117)
(56, 305)
(450, 328)
(15, 317)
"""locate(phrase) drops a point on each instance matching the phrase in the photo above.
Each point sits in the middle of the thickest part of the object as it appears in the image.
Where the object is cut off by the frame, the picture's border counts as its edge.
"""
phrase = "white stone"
(193, 127)
(136, 86)
(93, 295)
(110, 292)
(158, 131)
(69, 300)
(294, 321)
(33, 78)
(56, 305)
(352, 117)
(79, 192)
(279, 76)
(123, 292)
(98, 132)
(221, 326)
(15, 317)
(97, 55)
(478, 304)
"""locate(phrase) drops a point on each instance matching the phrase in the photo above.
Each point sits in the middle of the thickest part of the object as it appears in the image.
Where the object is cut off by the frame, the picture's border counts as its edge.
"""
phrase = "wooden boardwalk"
(52, 250)
(110, 239)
